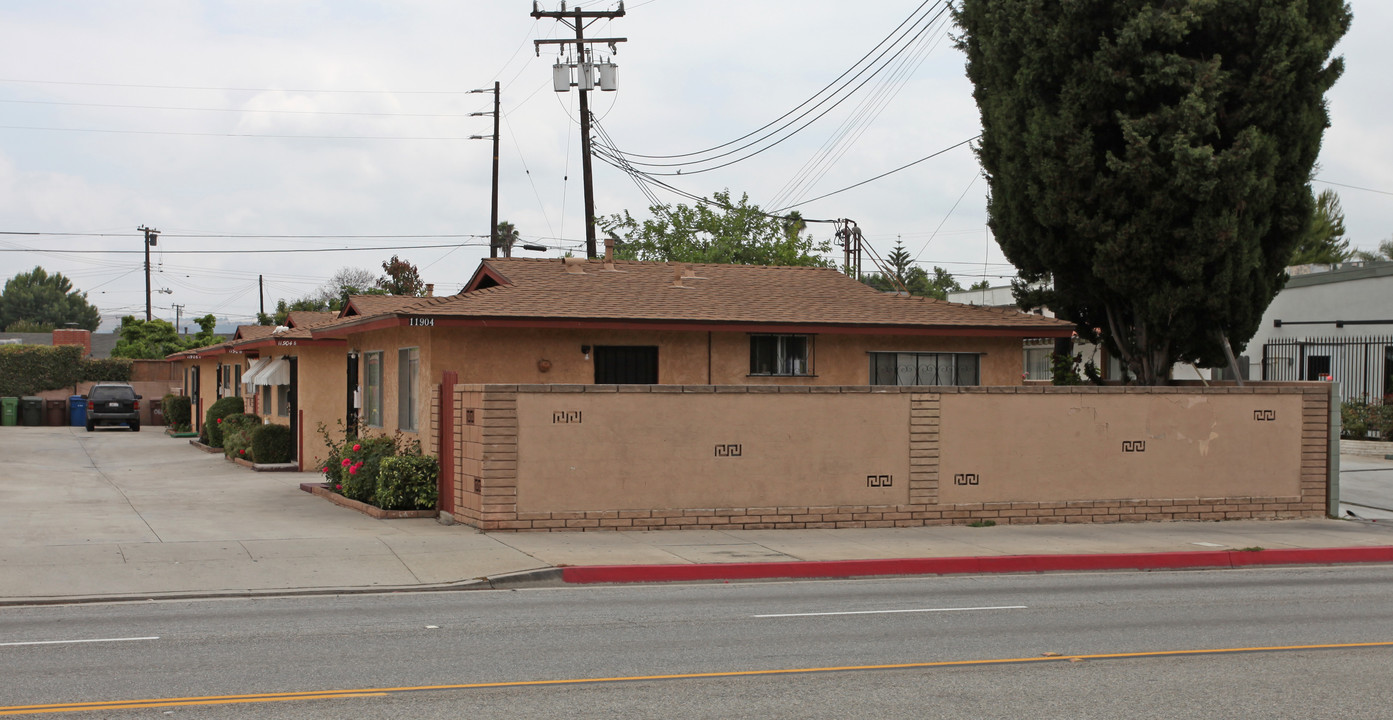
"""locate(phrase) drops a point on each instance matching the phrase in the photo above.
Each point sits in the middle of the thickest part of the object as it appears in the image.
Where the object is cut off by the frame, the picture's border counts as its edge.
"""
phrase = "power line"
(248, 252)
(911, 20)
(877, 177)
(1354, 187)
(236, 110)
(209, 134)
(233, 89)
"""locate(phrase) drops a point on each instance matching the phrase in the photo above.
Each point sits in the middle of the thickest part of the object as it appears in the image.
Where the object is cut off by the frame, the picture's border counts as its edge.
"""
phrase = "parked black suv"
(113, 404)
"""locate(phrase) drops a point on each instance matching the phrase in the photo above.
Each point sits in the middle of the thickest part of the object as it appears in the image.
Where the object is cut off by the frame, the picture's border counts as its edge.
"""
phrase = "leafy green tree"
(38, 298)
(205, 335)
(508, 236)
(981, 285)
(400, 278)
(148, 340)
(914, 278)
(1149, 162)
(736, 233)
(1324, 241)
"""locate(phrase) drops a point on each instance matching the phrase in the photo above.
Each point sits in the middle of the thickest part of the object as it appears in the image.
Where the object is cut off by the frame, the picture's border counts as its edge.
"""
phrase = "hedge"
(31, 369)
(272, 443)
(407, 482)
(178, 411)
(237, 430)
(219, 410)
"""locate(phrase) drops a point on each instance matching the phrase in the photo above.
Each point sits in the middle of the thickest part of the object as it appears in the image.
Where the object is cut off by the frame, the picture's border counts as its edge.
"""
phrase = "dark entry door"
(294, 407)
(195, 399)
(350, 401)
(626, 365)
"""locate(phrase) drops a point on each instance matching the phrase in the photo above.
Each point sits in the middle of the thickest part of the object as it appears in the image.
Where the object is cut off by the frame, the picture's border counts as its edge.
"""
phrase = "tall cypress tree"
(1149, 161)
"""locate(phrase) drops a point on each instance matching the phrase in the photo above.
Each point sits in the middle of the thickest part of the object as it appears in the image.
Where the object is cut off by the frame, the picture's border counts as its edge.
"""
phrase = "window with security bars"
(918, 368)
(780, 355)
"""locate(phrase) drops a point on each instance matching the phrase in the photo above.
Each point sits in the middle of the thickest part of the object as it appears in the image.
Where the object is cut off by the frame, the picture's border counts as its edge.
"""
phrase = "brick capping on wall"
(486, 472)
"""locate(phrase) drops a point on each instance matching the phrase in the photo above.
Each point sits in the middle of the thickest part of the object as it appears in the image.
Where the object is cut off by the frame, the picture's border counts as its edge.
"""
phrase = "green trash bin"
(31, 411)
(9, 411)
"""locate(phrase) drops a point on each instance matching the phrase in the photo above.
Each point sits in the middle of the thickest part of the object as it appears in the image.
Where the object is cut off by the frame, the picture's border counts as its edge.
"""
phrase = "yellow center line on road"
(383, 692)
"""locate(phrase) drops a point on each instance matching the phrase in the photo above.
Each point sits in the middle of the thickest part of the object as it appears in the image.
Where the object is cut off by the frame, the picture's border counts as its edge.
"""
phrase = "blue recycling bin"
(77, 410)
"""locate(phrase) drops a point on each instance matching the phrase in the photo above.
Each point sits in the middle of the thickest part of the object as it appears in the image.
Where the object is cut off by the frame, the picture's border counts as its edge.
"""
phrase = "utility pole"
(585, 80)
(493, 215)
(261, 292)
(178, 314)
(151, 235)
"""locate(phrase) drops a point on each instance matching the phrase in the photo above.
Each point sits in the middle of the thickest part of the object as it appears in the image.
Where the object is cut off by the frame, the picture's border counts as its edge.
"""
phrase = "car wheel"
(90, 426)
(135, 427)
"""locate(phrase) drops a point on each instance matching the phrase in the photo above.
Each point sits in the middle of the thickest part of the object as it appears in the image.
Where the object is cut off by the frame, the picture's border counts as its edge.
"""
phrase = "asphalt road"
(975, 647)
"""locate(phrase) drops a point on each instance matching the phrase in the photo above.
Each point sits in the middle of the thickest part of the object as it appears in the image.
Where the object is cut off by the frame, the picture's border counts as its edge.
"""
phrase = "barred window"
(919, 368)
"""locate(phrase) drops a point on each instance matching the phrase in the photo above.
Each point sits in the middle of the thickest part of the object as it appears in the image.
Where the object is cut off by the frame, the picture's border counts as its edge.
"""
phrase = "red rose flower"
(353, 470)
(357, 447)
(347, 462)
(219, 421)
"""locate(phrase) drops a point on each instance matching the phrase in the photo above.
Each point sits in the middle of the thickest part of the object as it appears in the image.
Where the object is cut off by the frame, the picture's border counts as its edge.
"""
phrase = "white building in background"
(1035, 358)
(1330, 320)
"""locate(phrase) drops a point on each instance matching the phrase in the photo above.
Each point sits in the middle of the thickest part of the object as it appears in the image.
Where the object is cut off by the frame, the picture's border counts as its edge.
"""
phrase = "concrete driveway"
(114, 511)
(1366, 487)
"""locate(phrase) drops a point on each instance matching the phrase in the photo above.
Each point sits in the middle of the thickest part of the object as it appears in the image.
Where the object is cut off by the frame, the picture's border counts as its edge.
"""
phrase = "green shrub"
(237, 430)
(178, 411)
(359, 466)
(213, 421)
(407, 482)
(31, 369)
(272, 443)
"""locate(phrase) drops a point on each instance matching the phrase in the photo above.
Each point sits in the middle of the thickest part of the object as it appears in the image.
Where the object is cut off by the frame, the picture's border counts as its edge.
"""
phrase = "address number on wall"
(422, 322)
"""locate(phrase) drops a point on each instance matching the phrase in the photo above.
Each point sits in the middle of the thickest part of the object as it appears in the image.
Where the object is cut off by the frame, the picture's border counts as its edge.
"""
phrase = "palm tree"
(507, 237)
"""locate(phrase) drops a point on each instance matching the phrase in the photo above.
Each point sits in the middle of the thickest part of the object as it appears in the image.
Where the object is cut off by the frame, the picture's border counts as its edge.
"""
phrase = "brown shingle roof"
(252, 332)
(379, 304)
(301, 318)
(645, 291)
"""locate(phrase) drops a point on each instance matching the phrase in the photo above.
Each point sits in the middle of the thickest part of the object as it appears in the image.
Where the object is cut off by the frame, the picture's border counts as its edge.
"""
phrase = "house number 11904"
(422, 322)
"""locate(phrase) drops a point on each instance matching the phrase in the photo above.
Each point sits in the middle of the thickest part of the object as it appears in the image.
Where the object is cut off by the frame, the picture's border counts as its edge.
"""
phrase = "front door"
(351, 399)
(626, 365)
(294, 409)
(195, 399)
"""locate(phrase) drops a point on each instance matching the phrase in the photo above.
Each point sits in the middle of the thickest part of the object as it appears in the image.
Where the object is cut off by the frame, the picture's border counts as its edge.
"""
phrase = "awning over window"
(249, 377)
(275, 372)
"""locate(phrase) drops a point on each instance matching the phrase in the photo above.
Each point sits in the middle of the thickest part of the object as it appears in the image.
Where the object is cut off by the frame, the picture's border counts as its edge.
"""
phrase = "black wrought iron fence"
(1362, 365)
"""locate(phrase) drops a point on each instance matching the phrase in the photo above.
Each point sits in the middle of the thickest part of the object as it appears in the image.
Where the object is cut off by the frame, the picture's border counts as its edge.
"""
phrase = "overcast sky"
(338, 118)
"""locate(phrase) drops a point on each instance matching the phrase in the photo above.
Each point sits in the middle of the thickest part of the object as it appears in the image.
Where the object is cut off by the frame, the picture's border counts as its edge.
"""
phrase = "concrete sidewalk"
(118, 515)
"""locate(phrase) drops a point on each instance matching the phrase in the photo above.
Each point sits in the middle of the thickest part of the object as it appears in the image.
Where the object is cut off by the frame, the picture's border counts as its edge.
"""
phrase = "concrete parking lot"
(119, 514)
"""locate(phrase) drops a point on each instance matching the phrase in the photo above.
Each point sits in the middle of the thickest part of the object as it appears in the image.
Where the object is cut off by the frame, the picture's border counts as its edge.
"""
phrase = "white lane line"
(68, 642)
(887, 612)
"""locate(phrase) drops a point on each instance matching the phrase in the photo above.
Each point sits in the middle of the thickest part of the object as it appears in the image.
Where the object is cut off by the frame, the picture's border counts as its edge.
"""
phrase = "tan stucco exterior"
(557, 457)
(321, 380)
(554, 356)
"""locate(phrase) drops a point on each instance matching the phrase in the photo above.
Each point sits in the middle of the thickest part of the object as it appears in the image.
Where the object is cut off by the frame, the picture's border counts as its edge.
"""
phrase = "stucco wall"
(555, 457)
(322, 380)
(1055, 447)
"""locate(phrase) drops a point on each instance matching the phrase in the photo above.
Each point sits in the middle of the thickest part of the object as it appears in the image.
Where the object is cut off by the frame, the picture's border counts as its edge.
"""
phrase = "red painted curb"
(974, 565)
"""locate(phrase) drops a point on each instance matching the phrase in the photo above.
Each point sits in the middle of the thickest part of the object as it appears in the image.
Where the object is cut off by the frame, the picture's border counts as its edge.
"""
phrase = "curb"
(1205, 559)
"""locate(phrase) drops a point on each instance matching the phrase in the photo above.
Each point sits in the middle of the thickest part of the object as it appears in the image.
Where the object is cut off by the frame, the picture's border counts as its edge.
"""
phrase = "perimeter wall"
(585, 457)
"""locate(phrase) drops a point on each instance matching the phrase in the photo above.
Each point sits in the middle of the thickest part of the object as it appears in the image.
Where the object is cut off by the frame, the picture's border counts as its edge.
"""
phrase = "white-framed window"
(372, 388)
(266, 407)
(1039, 360)
(781, 354)
(408, 372)
(925, 368)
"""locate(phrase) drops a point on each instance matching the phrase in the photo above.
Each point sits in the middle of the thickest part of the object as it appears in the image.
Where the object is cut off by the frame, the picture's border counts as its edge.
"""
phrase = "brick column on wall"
(1316, 432)
(924, 421)
(499, 504)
